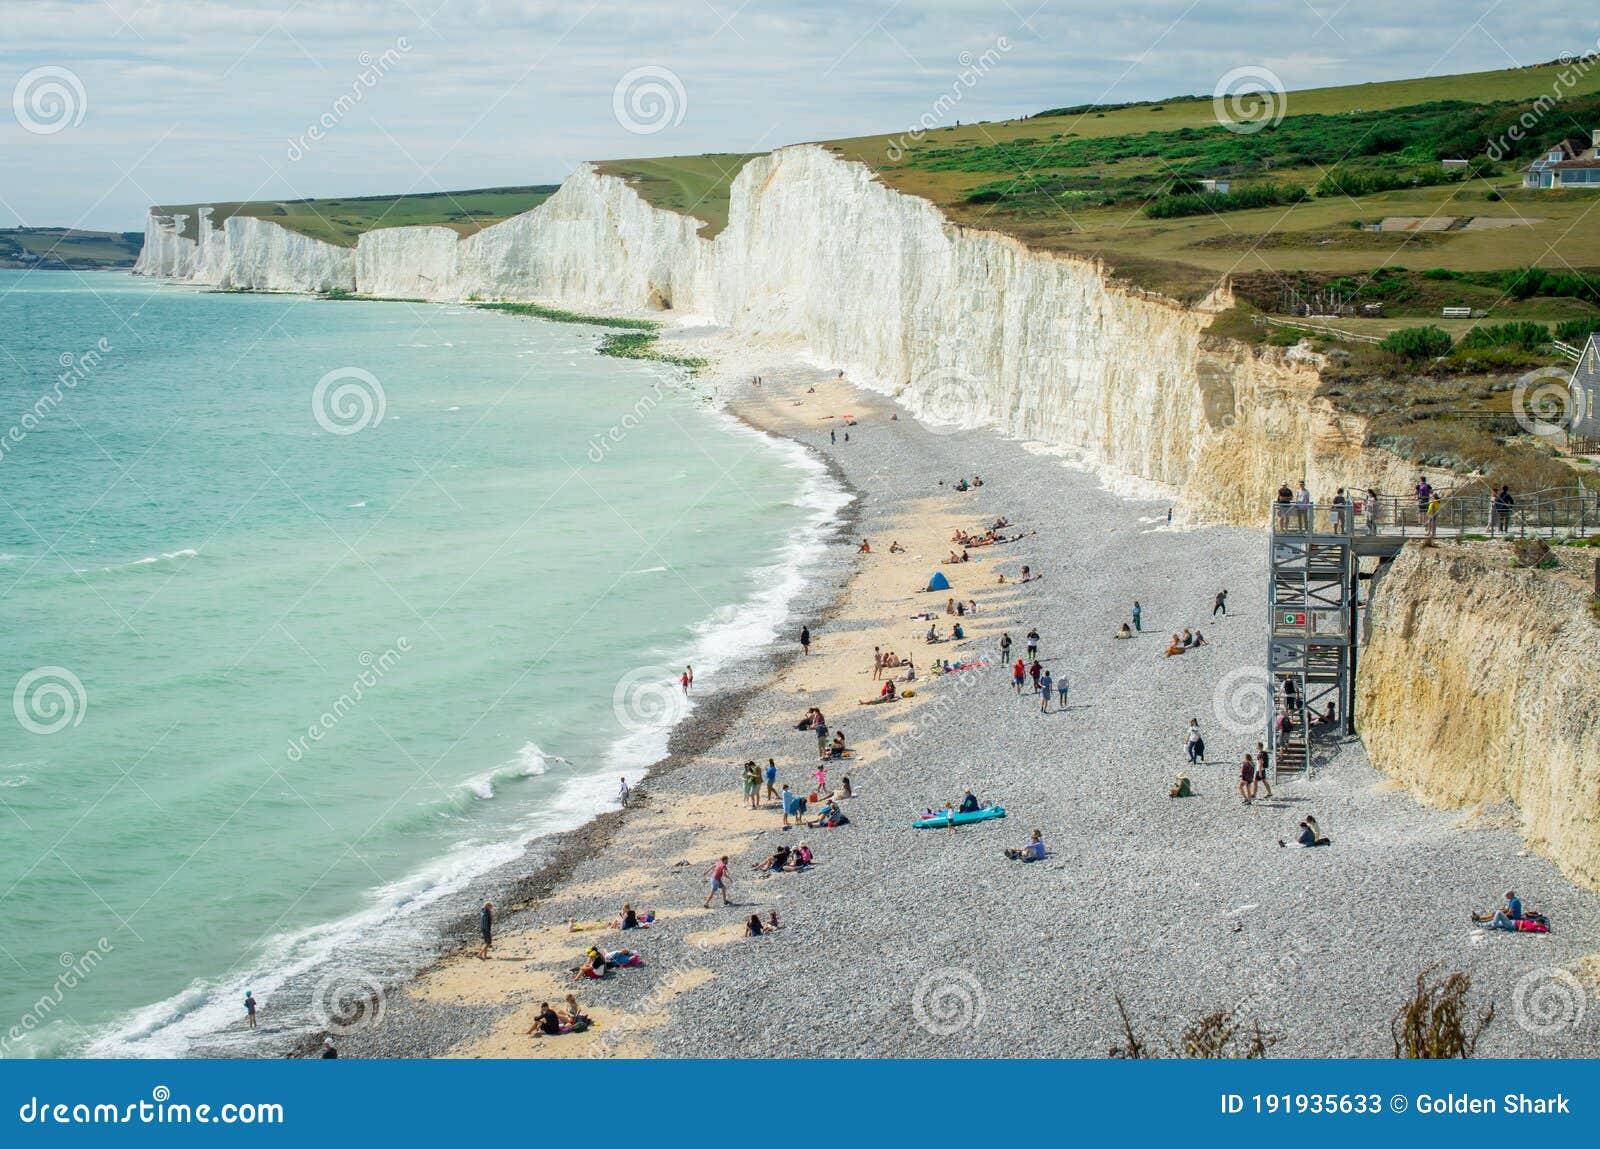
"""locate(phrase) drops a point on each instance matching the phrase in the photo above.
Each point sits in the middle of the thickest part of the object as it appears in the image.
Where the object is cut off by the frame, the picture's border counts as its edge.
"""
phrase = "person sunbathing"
(958, 633)
(887, 694)
(1188, 639)
(775, 863)
(630, 919)
(1200, 639)
(1181, 788)
(892, 659)
(753, 927)
(896, 549)
(1125, 632)
(1175, 646)
(933, 634)
(1034, 851)
(801, 858)
(836, 747)
(1506, 917)
(1311, 833)
(547, 1023)
(865, 548)
(830, 815)
(954, 558)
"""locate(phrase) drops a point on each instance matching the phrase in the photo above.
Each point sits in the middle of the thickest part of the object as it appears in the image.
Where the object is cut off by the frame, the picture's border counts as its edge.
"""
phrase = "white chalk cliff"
(962, 325)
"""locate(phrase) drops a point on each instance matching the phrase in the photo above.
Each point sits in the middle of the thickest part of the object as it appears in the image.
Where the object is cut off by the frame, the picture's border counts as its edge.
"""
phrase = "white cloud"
(197, 100)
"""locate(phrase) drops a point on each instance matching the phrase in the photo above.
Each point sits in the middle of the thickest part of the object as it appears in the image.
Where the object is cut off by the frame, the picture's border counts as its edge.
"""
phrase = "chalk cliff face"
(1478, 686)
(964, 327)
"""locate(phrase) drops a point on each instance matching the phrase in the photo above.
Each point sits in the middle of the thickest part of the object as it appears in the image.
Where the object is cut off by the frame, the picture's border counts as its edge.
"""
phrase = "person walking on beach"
(718, 873)
(623, 791)
(752, 784)
(771, 776)
(1197, 744)
(683, 680)
(1247, 779)
(1220, 606)
(329, 1053)
(486, 929)
(1061, 691)
(1005, 647)
(833, 436)
(819, 725)
(1138, 615)
(1261, 770)
(250, 1008)
(1018, 673)
(1033, 645)
(877, 663)
(1033, 673)
(1046, 686)
(805, 640)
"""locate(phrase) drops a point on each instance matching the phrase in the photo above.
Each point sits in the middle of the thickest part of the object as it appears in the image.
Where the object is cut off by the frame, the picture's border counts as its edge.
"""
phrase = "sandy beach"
(901, 942)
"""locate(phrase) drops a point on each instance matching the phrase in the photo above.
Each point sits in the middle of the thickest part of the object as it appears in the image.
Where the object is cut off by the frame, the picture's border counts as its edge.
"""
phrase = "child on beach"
(822, 779)
(718, 873)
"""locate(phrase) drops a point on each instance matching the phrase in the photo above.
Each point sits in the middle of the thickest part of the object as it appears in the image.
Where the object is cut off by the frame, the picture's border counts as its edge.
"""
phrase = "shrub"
(1522, 334)
(1414, 343)
(1577, 331)
(1204, 203)
(1436, 1022)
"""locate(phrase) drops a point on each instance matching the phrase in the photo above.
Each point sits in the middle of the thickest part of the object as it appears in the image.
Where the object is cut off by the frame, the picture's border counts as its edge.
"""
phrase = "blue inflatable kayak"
(943, 821)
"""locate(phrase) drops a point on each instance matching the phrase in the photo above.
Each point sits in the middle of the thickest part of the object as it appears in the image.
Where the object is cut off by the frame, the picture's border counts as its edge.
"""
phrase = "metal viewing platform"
(1313, 594)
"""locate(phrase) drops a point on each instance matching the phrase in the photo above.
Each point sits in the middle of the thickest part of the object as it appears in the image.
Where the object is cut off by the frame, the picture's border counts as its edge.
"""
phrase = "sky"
(118, 104)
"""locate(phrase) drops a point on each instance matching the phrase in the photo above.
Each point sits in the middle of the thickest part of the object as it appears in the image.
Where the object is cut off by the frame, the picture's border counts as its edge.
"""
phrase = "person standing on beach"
(877, 663)
(1061, 691)
(1197, 744)
(1033, 644)
(1046, 685)
(805, 640)
(1005, 647)
(623, 791)
(1221, 604)
(718, 873)
(1138, 614)
(1247, 780)
(1033, 672)
(1261, 770)
(250, 1008)
(1018, 673)
(486, 929)
(833, 436)
(819, 725)
(683, 680)
(329, 1053)
(771, 776)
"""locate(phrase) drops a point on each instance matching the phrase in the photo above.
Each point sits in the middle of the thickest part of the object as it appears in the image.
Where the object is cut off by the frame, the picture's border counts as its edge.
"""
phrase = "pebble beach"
(908, 943)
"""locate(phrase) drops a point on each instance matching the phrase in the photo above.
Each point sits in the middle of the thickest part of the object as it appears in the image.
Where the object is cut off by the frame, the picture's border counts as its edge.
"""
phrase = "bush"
(1436, 1022)
(1369, 181)
(1413, 343)
(1523, 334)
(1577, 331)
(1204, 203)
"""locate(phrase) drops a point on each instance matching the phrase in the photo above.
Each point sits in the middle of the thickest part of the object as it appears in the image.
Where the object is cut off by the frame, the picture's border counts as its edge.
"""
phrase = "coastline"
(932, 944)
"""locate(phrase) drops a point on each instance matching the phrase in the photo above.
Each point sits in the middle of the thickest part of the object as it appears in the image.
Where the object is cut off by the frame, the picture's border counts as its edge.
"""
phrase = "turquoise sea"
(312, 611)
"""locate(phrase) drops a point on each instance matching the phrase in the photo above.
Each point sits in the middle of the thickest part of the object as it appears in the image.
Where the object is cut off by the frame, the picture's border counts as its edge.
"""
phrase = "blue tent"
(938, 581)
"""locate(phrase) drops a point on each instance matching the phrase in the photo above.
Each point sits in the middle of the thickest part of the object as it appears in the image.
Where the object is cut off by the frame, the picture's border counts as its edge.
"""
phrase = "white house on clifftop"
(1567, 165)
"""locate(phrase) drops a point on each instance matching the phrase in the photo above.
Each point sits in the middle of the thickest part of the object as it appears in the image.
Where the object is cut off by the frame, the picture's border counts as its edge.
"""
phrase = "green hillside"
(63, 247)
(342, 220)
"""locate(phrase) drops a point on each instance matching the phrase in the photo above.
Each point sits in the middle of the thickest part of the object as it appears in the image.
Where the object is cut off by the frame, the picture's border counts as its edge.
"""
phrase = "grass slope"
(63, 247)
(695, 186)
(342, 221)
